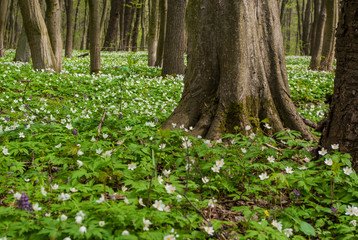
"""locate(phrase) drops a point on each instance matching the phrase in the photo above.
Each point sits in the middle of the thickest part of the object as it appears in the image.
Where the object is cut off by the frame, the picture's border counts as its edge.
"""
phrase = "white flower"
(125, 232)
(101, 199)
(54, 187)
(128, 128)
(170, 188)
(80, 213)
(248, 127)
(271, 159)
(353, 222)
(83, 229)
(179, 198)
(105, 135)
(99, 150)
(215, 169)
(266, 125)
(208, 143)
(132, 166)
(328, 161)
(288, 170)
(263, 176)
(64, 196)
(21, 135)
(322, 152)
(73, 190)
(160, 179)
(93, 139)
(79, 219)
(80, 163)
(209, 230)
(48, 214)
(335, 146)
(126, 201)
(101, 223)
(220, 163)
(140, 201)
(174, 125)
(5, 151)
(63, 217)
(167, 208)
(186, 144)
(302, 167)
(169, 237)
(351, 210)
(243, 150)
(347, 170)
(205, 179)
(278, 225)
(43, 191)
(166, 173)
(212, 202)
(146, 224)
(79, 153)
(288, 231)
(107, 153)
(67, 238)
(159, 205)
(36, 207)
(162, 146)
(58, 146)
(124, 188)
(69, 126)
(150, 124)
(17, 195)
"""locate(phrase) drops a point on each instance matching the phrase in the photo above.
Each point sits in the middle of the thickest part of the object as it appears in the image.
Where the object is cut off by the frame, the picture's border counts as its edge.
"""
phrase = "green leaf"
(307, 229)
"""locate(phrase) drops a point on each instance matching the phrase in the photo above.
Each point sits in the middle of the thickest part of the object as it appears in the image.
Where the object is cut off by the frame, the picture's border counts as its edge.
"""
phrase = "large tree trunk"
(329, 39)
(236, 72)
(128, 19)
(53, 23)
(135, 30)
(173, 60)
(23, 49)
(163, 6)
(3, 14)
(69, 25)
(76, 18)
(94, 36)
(342, 127)
(39, 40)
(112, 30)
(153, 32)
(306, 28)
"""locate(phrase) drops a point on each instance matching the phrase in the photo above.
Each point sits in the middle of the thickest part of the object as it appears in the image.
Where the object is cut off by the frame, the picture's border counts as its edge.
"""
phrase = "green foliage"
(129, 176)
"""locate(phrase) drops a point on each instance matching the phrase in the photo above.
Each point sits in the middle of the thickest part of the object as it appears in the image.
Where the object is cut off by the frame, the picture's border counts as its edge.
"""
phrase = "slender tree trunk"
(104, 15)
(38, 37)
(84, 34)
(76, 18)
(3, 14)
(69, 31)
(95, 36)
(163, 5)
(23, 49)
(10, 24)
(121, 24)
(153, 32)
(128, 19)
(143, 27)
(329, 39)
(283, 8)
(53, 18)
(288, 30)
(173, 60)
(306, 28)
(135, 30)
(299, 28)
(342, 127)
(224, 90)
(112, 30)
(314, 30)
(316, 49)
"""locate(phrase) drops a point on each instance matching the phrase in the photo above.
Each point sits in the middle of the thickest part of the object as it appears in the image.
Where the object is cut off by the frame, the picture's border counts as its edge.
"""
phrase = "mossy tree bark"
(37, 35)
(23, 49)
(94, 36)
(236, 72)
(173, 57)
(342, 127)
(69, 28)
(3, 13)
(153, 31)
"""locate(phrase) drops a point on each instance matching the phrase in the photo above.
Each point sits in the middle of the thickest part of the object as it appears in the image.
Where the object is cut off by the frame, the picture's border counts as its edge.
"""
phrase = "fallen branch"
(309, 122)
(83, 55)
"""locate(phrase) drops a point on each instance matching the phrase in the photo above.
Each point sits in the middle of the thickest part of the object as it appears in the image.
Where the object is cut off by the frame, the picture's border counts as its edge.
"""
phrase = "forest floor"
(83, 157)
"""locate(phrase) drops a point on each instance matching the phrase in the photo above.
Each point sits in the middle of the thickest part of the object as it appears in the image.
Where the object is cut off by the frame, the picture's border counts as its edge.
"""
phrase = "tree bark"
(316, 49)
(53, 23)
(135, 30)
(173, 60)
(143, 27)
(69, 29)
(236, 72)
(39, 40)
(76, 18)
(329, 39)
(85, 30)
(23, 49)
(342, 127)
(3, 14)
(112, 30)
(94, 36)
(306, 28)
(104, 15)
(128, 19)
(153, 32)
(163, 5)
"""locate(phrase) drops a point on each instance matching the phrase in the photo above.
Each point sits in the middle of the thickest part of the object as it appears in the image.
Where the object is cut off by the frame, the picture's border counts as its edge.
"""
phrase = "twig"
(198, 210)
(309, 122)
(83, 55)
(273, 147)
(101, 122)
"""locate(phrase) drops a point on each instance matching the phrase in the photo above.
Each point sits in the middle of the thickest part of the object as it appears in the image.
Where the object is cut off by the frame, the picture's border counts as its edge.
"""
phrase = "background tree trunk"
(112, 30)
(128, 19)
(329, 39)
(85, 30)
(153, 32)
(3, 13)
(23, 49)
(143, 27)
(39, 40)
(95, 36)
(163, 5)
(306, 28)
(53, 23)
(225, 89)
(69, 31)
(316, 48)
(104, 15)
(76, 18)
(135, 30)
(173, 60)
(342, 127)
